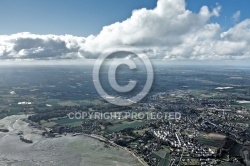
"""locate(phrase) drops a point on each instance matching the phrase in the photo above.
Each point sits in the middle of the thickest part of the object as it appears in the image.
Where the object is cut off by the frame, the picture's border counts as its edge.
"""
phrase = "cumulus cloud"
(30, 46)
(161, 28)
(169, 31)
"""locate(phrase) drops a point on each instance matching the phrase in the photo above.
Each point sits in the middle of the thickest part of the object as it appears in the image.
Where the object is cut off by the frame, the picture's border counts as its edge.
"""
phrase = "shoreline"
(102, 139)
(15, 128)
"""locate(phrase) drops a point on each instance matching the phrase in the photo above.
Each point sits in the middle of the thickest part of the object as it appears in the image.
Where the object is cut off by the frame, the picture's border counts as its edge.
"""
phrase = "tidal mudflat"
(63, 151)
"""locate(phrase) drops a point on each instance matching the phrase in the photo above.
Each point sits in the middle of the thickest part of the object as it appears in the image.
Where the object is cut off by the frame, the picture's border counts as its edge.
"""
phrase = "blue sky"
(229, 7)
(76, 17)
(85, 17)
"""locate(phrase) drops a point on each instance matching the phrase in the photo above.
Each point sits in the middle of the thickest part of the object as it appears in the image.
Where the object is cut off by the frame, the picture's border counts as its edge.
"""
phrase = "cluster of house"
(179, 142)
(209, 115)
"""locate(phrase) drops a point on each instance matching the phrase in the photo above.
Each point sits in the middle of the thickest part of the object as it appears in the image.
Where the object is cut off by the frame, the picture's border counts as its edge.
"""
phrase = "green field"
(69, 122)
(229, 164)
(247, 105)
(58, 102)
(142, 131)
(12, 111)
(163, 155)
(242, 122)
(237, 105)
(211, 142)
(63, 122)
(125, 125)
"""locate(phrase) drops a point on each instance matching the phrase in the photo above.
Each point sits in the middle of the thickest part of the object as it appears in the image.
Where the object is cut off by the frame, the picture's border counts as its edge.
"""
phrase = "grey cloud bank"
(169, 32)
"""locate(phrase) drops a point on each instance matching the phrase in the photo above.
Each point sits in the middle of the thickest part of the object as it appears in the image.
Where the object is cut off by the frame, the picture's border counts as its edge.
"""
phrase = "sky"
(76, 17)
(163, 29)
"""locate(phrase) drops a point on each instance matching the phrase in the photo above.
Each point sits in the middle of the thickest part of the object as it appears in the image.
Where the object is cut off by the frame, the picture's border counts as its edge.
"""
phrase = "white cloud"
(236, 17)
(164, 26)
(31, 46)
(169, 31)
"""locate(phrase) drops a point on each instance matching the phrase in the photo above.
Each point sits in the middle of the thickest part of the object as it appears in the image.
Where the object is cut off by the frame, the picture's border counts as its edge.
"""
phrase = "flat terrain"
(212, 139)
(62, 151)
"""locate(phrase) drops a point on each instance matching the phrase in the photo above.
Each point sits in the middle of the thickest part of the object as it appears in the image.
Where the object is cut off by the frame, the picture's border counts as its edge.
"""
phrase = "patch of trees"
(68, 129)
(147, 136)
(121, 143)
(53, 113)
(129, 132)
(229, 143)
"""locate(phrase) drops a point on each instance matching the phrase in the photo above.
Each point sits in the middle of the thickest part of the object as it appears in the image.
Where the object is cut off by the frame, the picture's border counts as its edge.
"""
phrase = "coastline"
(36, 153)
(102, 139)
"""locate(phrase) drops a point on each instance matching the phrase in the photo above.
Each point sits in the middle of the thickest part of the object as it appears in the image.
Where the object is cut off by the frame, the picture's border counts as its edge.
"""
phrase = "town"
(208, 132)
